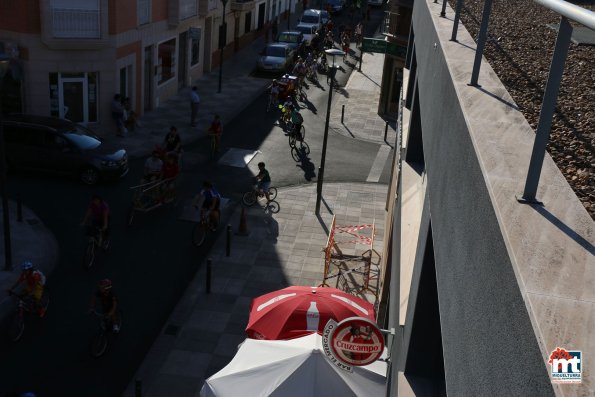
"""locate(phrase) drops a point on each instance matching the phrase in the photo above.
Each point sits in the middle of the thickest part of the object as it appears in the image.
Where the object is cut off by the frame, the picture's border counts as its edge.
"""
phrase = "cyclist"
(264, 181)
(98, 214)
(172, 142)
(34, 281)
(300, 71)
(215, 130)
(210, 204)
(108, 301)
(274, 92)
(296, 121)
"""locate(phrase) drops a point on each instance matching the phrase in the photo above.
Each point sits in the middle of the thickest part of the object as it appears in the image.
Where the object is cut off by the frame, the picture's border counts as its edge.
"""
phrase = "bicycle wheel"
(249, 198)
(99, 344)
(304, 148)
(198, 234)
(292, 139)
(302, 134)
(296, 154)
(272, 192)
(17, 327)
(272, 207)
(89, 255)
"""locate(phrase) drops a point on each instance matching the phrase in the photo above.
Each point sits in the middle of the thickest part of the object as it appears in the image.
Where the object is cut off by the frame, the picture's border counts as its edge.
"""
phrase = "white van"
(312, 17)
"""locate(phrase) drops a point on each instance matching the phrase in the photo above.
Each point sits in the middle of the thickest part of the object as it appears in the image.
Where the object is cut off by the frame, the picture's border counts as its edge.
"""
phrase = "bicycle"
(25, 305)
(252, 196)
(296, 136)
(200, 230)
(93, 242)
(101, 340)
(300, 151)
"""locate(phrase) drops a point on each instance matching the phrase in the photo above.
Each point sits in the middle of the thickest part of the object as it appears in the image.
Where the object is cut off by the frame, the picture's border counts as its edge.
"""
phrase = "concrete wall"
(493, 287)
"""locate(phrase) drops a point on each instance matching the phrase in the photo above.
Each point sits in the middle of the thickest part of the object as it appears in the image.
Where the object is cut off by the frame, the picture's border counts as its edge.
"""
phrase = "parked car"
(324, 16)
(312, 17)
(60, 146)
(307, 30)
(294, 39)
(276, 57)
(336, 6)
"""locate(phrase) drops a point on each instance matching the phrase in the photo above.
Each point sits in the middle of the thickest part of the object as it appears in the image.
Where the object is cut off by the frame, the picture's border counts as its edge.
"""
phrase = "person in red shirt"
(169, 173)
(98, 217)
(34, 281)
(215, 131)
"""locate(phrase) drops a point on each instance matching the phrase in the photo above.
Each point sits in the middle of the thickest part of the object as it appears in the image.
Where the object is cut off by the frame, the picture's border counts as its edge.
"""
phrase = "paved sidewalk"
(31, 240)
(361, 119)
(203, 332)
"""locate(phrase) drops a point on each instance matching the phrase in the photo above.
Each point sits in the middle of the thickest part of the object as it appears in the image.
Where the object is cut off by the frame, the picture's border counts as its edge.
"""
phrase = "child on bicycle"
(264, 181)
(296, 121)
(34, 285)
(97, 217)
(108, 301)
(211, 200)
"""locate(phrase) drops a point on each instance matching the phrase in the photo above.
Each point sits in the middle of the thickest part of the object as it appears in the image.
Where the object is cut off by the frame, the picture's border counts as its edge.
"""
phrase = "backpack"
(300, 118)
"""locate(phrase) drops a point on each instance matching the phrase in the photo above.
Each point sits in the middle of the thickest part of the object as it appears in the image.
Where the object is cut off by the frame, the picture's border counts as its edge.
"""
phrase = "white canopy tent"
(292, 368)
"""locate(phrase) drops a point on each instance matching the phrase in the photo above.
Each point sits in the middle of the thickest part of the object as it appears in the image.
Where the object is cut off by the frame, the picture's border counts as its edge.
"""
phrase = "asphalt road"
(152, 261)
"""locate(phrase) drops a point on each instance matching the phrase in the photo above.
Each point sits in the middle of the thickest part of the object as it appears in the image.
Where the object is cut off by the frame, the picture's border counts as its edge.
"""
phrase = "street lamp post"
(289, 16)
(4, 64)
(222, 40)
(332, 71)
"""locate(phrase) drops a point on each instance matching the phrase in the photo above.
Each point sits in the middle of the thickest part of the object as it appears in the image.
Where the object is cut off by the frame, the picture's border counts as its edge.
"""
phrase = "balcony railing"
(76, 23)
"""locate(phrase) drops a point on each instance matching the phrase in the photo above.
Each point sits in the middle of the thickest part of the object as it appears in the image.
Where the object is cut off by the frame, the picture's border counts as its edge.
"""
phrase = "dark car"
(294, 39)
(60, 146)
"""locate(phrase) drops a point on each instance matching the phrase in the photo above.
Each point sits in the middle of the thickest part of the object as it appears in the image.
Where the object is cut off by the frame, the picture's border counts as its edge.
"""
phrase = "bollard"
(138, 388)
(208, 280)
(342, 114)
(228, 241)
(19, 209)
(385, 131)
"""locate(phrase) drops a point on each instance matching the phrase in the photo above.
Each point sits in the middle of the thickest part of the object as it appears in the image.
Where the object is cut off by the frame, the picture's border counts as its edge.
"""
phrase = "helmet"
(105, 284)
(26, 265)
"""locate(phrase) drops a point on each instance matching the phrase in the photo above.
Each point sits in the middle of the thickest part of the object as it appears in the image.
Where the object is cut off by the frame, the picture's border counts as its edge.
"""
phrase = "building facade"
(70, 57)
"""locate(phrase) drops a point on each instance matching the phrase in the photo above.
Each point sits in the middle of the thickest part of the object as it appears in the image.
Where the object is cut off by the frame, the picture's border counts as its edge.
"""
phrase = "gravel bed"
(519, 49)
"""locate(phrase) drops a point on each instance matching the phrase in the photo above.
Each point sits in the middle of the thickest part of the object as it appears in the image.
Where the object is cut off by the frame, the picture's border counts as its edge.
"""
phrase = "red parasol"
(297, 311)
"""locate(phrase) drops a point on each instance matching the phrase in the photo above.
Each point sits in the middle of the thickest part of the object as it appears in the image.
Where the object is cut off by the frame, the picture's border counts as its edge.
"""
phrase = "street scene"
(172, 330)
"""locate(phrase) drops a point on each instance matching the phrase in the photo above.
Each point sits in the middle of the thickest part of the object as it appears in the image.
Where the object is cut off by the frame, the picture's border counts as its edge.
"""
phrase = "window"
(76, 18)
(166, 61)
(144, 11)
(187, 9)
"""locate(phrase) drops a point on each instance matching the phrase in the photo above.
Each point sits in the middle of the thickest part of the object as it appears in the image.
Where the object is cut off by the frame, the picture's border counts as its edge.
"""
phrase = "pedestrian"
(194, 102)
(118, 115)
(275, 29)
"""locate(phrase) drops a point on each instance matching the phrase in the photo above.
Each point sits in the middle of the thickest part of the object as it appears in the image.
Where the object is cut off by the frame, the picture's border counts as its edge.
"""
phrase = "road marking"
(378, 166)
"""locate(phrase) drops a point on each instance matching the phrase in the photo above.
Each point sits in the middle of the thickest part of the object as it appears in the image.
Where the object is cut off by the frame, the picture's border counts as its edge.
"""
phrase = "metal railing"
(76, 23)
(567, 12)
(389, 24)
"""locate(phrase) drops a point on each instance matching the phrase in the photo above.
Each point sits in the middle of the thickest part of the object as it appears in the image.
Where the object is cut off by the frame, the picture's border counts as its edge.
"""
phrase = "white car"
(308, 30)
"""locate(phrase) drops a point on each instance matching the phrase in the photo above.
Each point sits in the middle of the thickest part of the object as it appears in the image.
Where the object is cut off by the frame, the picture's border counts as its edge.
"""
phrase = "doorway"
(73, 100)
(261, 13)
(148, 78)
(208, 56)
(182, 59)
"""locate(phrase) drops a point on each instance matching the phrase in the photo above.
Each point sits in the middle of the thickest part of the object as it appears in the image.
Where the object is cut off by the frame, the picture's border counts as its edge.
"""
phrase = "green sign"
(383, 47)
(396, 50)
(371, 44)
